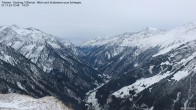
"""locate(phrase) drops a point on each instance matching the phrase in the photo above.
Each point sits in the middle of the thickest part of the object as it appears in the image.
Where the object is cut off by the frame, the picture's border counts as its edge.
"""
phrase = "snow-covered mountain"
(125, 50)
(148, 37)
(125, 39)
(19, 75)
(105, 54)
(30, 41)
(56, 60)
(22, 102)
(153, 70)
(162, 82)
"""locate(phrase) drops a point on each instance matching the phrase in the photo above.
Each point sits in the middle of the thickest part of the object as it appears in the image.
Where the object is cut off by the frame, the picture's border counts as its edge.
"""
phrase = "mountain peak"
(32, 29)
(151, 29)
(13, 26)
(67, 43)
(189, 25)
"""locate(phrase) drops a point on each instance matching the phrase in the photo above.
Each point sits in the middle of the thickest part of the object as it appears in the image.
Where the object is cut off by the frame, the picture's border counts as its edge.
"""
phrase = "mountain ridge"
(61, 67)
(138, 72)
(123, 72)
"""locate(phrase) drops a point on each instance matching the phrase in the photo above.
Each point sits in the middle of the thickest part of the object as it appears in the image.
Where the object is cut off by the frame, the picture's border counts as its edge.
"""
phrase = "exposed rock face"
(162, 78)
(46, 62)
(150, 69)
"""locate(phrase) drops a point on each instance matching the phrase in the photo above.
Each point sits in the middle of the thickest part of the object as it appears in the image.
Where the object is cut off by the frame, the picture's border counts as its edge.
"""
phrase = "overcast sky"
(98, 18)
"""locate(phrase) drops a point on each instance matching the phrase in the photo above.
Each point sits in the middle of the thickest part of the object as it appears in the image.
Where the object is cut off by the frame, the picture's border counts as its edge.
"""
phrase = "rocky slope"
(149, 70)
(57, 63)
(116, 55)
(161, 76)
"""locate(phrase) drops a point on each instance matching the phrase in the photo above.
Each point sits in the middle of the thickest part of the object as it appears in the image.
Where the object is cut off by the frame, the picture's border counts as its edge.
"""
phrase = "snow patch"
(20, 86)
(178, 97)
(135, 65)
(23, 102)
(140, 85)
(150, 69)
(180, 75)
(166, 63)
(93, 100)
(54, 45)
(152, 108)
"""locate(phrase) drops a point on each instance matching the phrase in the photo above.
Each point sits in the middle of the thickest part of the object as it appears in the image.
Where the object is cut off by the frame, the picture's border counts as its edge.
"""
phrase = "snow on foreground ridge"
(14, 101)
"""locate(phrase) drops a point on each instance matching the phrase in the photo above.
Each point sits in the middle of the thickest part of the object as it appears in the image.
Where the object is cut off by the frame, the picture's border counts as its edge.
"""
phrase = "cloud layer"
(95, 18)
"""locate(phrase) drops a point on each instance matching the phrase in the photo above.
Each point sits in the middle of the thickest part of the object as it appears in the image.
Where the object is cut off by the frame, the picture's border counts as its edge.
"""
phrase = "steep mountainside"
(20, 75)
(117, 55)
(161, 83)
(149, 70)
(161, 76)
(65, 72)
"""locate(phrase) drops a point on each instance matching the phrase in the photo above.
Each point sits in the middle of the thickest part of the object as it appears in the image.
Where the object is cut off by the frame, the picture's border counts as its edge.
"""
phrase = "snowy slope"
(104, 53)
(107, 54)
(19, 75)
(149, 37)
(156, 70)
(187, 39)
(22, 102)
(140, 85)
(65, 71)
(29, 41)
(135, 39)
(125, 39)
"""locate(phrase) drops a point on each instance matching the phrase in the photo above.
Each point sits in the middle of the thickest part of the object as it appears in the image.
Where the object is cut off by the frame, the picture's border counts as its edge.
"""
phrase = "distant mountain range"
(147, 70)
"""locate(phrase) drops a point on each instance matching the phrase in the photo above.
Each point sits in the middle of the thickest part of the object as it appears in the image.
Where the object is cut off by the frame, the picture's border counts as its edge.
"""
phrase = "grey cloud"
(94, 18)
